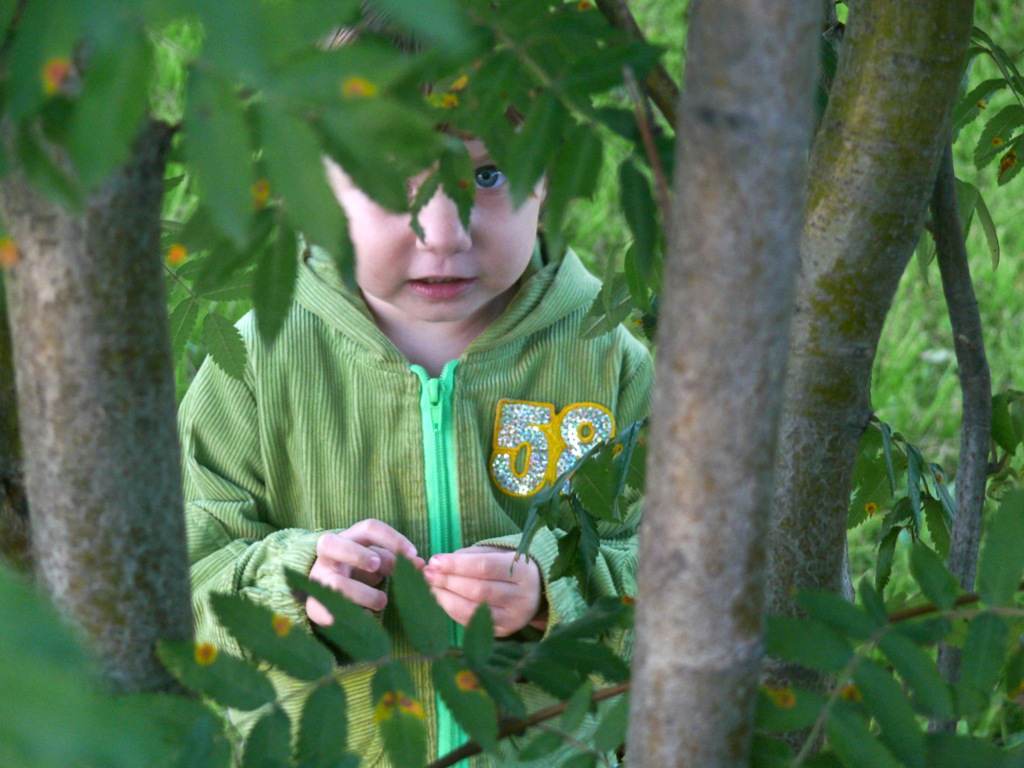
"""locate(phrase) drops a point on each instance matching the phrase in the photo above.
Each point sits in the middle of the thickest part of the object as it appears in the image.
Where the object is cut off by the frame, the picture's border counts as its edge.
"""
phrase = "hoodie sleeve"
(234, 546)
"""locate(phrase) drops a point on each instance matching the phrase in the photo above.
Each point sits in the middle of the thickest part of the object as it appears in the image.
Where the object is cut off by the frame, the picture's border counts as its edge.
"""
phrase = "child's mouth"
(439, 288)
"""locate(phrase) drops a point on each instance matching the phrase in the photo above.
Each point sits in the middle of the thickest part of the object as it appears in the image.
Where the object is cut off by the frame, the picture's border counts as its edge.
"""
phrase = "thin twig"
(661, 87)
(643, 121)
(514, 727)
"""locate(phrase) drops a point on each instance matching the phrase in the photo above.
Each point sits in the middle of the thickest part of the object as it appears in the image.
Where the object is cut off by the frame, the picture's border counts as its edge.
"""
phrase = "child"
(415, 417)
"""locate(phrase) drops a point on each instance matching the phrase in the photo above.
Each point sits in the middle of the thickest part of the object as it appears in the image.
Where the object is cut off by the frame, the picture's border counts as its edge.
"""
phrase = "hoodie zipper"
(442, 506)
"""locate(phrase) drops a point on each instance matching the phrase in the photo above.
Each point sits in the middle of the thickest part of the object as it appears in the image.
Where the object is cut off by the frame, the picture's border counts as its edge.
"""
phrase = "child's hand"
(464, 579)
(354, 561)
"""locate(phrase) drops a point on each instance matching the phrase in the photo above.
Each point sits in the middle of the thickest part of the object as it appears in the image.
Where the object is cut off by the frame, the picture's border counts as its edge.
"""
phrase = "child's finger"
(490, 565)
(356, 591)
(380, 534)
(460, 608)
(342, 550)
(475, 590)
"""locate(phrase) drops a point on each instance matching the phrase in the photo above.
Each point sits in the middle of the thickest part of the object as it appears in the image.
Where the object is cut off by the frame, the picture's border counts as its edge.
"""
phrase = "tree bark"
(745, 125)
(871, 173)
(14, 533)
(976, 389)
(96, 405)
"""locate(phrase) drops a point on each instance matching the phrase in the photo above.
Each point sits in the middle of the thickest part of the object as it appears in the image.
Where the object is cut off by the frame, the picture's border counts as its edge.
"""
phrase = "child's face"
(455, 274)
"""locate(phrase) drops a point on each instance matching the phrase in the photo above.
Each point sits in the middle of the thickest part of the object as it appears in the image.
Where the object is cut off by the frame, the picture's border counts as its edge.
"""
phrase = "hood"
(546, 296)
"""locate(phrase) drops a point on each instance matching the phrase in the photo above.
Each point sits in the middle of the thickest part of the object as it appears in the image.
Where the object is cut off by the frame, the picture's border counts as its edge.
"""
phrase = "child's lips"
(441, 288)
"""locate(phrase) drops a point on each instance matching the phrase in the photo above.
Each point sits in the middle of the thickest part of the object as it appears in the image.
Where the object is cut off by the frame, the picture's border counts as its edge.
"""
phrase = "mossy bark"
(96, 406)
(745, 125)
(871, 174)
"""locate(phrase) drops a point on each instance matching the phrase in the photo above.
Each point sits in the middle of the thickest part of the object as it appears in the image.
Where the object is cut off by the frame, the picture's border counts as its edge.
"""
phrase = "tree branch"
(513, 727)
(975, 381)
(976, 388)
(661, 88)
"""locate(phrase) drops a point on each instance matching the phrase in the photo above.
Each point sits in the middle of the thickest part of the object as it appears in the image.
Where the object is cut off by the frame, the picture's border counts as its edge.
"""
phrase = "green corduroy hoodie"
(330, 427)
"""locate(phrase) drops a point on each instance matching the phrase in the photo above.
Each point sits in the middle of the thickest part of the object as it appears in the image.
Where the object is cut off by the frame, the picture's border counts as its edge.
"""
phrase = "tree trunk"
(745, 125)
(96, 406)
(870, 176)
(14, 535)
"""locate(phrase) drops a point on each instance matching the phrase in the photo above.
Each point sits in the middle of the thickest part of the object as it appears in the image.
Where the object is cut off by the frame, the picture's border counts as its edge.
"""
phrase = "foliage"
(261, 103)
(885, 681)
(477, 680)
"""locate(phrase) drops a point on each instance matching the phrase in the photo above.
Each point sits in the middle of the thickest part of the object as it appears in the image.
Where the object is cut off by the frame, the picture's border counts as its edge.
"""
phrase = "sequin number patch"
(533, 445)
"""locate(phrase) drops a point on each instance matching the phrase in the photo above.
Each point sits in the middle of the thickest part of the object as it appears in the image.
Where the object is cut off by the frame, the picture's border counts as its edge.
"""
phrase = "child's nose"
(443, 232)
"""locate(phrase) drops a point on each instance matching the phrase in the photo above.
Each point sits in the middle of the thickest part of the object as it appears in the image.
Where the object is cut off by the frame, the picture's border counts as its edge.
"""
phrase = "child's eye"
(489, 177)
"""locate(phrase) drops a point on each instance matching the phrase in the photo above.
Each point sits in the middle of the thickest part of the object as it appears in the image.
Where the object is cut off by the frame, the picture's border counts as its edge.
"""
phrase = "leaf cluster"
(885, 683)
(600, 495)
(477, 679)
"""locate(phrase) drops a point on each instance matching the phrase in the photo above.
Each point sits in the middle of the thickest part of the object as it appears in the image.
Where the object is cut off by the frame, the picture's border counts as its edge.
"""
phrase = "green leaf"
(872, 602)
(786, 709)
(611, 307)
(109, 111)
(935, 521)
(769, 753)
(217, 145)
(274, 284)
(183, 322)
(323, 727)
(204, 746)
(1002, 555)
(870, 478)
(227, 680)
(1004, 429)
(399, 715)
(575, 173)
(225, 345)
(353, 132)
(354, 631)
(982, 662)
(838, 614)
(535, 144)
(272, 638)
(478, 640)
(931, 695)
(849, 736)
(466, 697)
(989, 228)
(610, 733)
(1009, 163)
(915, 466)
(46, 31)
(975, 102)
(883, 562)
(998, 133)
(542, 745)
(950, 750)
(504, 693)
(887, 451)
(883, 697)
(424, 621)
(925, 631)
(438, 21)
(269, 744)
(293, 158)
(642, 216)
(45, 175)
(931, 574)
(583, 656)
(577, 708)
(806, 642)
(457, 177)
